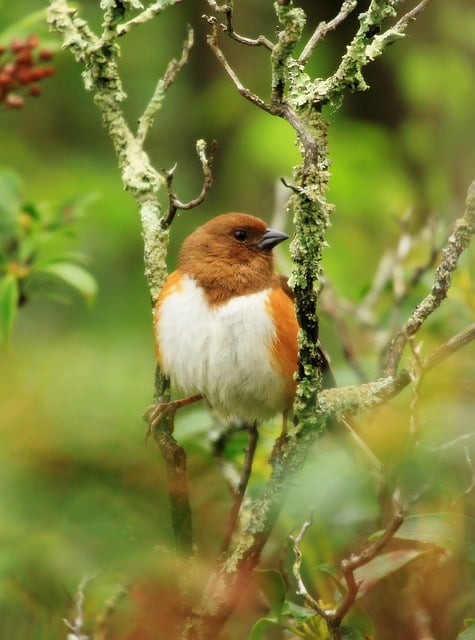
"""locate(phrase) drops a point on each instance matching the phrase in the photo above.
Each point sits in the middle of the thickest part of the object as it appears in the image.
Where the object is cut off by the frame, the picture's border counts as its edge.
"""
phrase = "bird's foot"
(156, 412)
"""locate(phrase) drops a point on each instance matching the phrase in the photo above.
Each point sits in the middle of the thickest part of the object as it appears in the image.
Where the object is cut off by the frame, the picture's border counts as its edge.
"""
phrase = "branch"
(173, 202)
(301, 588)
(177, 481)
(457, 243)
(213, 42)
(146, 15)
(355, 561)
(334, 617)
(241, 487)
(228, 28)
(348, 76)
(76, 625)
(448, 348)
(151, 110)
(99, 56)
(325, 27)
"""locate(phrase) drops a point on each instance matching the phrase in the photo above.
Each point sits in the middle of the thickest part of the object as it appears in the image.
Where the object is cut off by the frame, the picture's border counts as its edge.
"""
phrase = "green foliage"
(33, 251)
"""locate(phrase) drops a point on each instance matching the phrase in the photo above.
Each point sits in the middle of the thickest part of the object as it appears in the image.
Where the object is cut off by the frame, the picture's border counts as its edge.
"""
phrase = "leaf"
(73, 275)
(383, 565)
(301, 614)
(272, 584)
(468, 632)
(9, 294)
(261, 626)
(330, 571)
(449, 531)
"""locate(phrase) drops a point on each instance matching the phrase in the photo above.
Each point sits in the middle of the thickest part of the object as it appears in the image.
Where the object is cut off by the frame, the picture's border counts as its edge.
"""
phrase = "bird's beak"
(271, 238)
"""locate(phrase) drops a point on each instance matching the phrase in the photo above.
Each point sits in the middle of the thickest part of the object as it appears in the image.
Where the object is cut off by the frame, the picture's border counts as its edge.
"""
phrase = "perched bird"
(225, 325)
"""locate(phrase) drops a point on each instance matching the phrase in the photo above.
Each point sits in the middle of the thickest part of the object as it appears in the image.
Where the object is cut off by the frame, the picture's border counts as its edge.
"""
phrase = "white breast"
(221, 352)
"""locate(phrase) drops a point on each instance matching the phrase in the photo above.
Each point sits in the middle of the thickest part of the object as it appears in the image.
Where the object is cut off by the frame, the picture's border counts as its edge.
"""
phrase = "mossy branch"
(99, 57)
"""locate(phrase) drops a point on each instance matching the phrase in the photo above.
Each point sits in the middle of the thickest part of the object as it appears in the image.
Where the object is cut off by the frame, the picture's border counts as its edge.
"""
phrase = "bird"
(225, 327)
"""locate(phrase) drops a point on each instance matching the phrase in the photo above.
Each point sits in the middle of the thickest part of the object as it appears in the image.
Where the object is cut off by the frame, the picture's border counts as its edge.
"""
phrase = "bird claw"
(155, 414)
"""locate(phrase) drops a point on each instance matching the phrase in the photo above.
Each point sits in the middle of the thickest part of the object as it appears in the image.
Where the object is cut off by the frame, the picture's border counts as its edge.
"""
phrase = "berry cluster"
(21, 69)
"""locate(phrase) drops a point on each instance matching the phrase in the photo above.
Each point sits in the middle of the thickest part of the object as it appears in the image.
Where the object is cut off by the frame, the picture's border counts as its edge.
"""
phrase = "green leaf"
(301, 614)
(330, 571)
(469, 631)
(261, 626)
(272, 584)
(73, 275)
(383, 565)
(450, 531)
(9, 294)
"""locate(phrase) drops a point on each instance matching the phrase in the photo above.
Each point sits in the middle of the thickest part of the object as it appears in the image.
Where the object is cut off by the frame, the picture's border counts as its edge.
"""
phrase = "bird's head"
(231, 255)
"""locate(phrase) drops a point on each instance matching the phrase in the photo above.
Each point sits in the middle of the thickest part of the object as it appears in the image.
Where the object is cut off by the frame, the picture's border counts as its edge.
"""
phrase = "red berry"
(24, 57)
(17, 45)
(45, 54)
(37, 73)
(5, 78)
(35, 90)
(32, 41)
(48, 71)
(24, 76)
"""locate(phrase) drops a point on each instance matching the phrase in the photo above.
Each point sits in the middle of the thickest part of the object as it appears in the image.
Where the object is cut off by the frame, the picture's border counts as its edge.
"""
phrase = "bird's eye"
(240, 234)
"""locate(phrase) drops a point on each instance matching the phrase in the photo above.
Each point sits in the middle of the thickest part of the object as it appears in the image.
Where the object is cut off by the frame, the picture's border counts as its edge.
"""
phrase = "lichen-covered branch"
(456, 245)
(325, 27)
(174, 66)
(174, 204)
(99, 57)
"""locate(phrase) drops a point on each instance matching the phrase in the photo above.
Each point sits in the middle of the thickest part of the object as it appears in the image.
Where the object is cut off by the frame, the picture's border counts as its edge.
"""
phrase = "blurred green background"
(80, 491)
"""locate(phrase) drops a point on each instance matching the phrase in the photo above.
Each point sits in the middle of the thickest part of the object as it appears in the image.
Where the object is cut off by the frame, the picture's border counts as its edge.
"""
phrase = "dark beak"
(271, 238)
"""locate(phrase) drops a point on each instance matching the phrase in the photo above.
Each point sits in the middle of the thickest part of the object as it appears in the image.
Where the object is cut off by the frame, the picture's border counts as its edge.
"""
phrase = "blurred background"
(81, 493)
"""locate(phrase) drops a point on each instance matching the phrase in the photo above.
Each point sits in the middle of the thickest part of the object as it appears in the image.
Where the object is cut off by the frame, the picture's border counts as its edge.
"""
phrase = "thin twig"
(253, 436)
(174, 204)
(412, 14)
(416, 373)
(456, 244)
(145, 15)
(355, 561)
(76, 625)
(215, 48)
(228, 28)
(324, 27)
(334, 616)
(296, 567)
(471, 467)
(173, 68)
(448, 348)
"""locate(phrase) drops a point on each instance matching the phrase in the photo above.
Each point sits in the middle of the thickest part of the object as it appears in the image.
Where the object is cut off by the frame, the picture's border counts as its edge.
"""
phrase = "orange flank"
(285, 347)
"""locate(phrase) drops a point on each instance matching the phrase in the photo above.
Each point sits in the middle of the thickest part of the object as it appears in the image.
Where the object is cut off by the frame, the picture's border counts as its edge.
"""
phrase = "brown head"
(231, 255)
